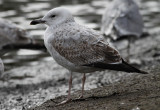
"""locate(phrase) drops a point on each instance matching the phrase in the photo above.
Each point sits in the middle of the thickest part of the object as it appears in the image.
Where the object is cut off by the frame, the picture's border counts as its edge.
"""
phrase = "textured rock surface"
(133, 93)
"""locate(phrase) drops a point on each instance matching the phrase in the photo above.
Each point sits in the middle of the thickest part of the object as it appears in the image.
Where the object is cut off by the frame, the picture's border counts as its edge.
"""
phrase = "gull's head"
(54, 17)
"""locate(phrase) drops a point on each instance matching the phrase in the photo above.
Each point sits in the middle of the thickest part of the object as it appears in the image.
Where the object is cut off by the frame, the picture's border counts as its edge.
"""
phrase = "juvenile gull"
(122, 19)
(77, 48)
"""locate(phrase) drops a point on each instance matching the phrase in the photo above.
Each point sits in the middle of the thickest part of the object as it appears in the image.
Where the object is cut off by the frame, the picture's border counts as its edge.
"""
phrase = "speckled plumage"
(122, 18)
(76, 45)
(77, 48)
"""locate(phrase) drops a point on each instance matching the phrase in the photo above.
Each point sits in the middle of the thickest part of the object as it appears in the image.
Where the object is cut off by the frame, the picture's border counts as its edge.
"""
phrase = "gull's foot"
(64, 102)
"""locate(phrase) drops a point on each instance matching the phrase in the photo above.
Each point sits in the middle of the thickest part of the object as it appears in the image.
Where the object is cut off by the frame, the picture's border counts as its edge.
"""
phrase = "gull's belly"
(58, 58)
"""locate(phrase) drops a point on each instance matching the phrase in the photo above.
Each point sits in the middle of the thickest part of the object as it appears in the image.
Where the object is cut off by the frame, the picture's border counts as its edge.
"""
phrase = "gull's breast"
(57, 57)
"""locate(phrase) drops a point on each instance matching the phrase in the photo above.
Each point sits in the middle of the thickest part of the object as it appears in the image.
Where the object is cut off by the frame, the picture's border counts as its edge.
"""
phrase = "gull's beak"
(37, 21)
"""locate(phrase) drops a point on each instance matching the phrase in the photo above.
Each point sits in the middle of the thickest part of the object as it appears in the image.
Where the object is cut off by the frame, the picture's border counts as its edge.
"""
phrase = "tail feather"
(124, 66)
(130, 68)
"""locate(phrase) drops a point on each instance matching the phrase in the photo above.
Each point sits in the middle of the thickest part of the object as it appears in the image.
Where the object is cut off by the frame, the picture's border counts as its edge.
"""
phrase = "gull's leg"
(69, 91)
(70, 86)
(83, 82)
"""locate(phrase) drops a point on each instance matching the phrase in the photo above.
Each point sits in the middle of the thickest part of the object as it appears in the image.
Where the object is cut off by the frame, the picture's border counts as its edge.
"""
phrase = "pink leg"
(83, 82)
(69, 92)
(70, 86)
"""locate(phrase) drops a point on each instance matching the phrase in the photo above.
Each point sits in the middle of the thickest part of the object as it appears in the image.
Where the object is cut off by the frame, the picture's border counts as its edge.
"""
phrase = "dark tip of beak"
(37, 21)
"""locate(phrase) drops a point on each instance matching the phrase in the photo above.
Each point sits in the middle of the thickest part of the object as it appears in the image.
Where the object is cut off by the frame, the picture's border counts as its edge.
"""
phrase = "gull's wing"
(124, 16)
(83, 46)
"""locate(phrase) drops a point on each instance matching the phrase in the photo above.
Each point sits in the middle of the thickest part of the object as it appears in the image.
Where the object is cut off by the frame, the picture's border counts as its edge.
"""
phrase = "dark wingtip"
(144, 72)
(135, 69)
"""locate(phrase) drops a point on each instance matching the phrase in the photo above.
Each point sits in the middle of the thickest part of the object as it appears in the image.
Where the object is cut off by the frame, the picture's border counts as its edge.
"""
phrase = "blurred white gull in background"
(13, 37)
(122, 19)
(11, 34)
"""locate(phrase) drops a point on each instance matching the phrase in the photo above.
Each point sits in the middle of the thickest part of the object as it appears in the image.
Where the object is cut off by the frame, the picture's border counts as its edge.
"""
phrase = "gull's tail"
(124, 66)
(129, 68)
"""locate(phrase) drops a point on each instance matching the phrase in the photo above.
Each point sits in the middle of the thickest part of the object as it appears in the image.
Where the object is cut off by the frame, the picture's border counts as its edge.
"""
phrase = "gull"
(122, 19)
(78, 48)
(14, 37)
(11, 34)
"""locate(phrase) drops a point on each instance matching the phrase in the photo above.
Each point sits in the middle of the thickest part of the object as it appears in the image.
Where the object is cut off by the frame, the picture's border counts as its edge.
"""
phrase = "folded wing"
(85, 46)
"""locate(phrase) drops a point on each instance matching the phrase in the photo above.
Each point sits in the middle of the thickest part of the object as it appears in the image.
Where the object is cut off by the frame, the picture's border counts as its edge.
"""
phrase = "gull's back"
(122, 18)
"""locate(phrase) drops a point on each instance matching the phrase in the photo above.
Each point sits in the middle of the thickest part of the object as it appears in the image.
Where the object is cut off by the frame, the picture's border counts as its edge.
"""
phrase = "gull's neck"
(52, 28)
(71, 19)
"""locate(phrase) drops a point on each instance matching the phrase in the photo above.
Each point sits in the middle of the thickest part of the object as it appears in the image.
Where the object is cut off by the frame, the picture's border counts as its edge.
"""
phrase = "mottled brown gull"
(77, 48)
(11, 34)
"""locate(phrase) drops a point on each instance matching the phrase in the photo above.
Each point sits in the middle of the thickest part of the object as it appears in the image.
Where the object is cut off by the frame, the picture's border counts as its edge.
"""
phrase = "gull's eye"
(52, 16)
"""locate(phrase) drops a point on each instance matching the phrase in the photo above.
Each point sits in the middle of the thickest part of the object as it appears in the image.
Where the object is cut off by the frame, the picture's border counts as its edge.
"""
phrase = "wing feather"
(84, 47)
